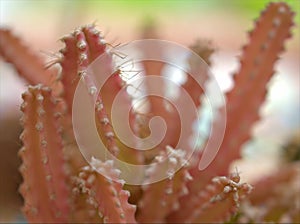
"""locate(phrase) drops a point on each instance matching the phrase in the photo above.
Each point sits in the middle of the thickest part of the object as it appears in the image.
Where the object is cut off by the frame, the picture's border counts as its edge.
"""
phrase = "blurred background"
(225, 23)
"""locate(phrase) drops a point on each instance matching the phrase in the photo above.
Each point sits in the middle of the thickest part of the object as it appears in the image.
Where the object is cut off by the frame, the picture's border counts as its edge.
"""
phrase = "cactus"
(60, 186)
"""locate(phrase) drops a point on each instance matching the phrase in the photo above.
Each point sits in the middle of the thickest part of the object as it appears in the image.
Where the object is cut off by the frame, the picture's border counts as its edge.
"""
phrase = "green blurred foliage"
(138, 9)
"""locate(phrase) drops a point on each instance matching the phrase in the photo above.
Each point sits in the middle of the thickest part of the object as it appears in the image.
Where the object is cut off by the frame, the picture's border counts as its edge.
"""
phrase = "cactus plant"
(60, 186)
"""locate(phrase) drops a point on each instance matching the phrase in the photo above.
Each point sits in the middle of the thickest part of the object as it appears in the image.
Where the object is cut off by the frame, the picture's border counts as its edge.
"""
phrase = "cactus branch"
(42, 155)
(29, 66)
(257, 68)
(257, 61)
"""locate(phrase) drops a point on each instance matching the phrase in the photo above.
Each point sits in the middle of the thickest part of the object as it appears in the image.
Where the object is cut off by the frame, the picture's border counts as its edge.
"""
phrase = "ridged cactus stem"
(46, 192)
(244, 100)
(104, 127)
(81, 48)
(29, 66)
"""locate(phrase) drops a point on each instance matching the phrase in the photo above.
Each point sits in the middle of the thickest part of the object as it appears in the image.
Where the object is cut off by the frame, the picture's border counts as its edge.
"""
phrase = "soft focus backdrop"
(225, 23)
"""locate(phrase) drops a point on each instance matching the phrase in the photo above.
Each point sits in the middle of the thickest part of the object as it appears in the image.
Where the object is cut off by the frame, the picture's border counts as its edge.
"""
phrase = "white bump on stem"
(81, 44)
(92, 90)
(39, 126)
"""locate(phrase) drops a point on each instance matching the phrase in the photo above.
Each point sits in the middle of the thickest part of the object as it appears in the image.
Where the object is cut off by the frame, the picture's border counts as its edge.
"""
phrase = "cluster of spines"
(160, 198)
(218, 201)
(278, 194)
(104, 193)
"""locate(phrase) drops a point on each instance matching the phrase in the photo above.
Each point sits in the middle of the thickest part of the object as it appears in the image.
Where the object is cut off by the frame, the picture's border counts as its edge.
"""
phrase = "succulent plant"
(60, 186)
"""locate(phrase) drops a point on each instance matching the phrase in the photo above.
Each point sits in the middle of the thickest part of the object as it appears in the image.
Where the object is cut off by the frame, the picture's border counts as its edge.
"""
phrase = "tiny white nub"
(81, 45)
(92, 90)
(39, 126)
